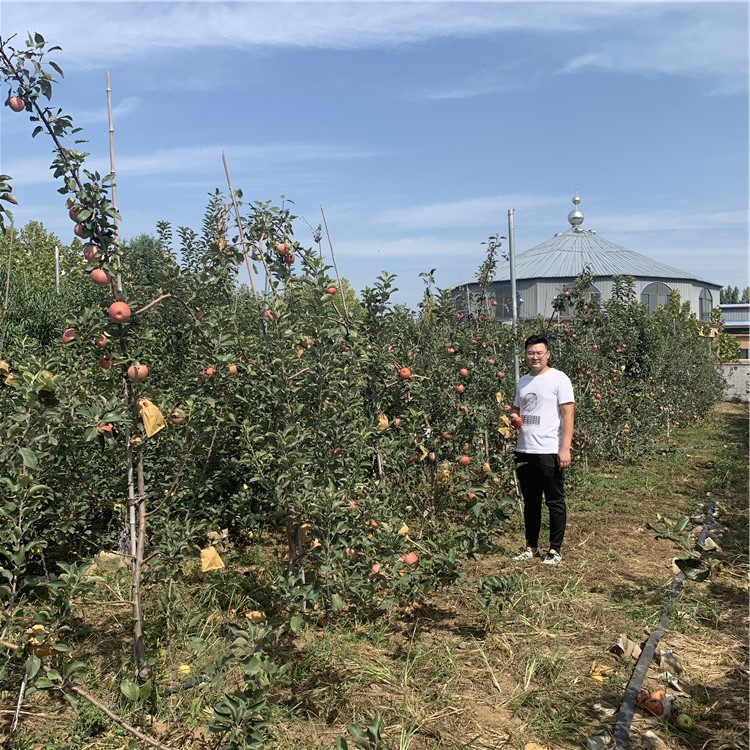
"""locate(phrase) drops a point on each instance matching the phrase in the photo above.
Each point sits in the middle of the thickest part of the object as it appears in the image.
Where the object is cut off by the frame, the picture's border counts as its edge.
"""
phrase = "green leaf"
(73, 668)
(28, 457)
(337, 603)
(72, 700)
(33, 665)
(295, 624)
(681, 524)
(130, 690)
(43, 683)
(198, 645)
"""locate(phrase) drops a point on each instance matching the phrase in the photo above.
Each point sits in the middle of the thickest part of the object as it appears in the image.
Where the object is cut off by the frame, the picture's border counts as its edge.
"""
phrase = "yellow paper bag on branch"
(152, 418)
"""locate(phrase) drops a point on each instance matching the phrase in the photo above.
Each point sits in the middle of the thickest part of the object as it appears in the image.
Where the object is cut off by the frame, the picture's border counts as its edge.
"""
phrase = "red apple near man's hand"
(516, 421)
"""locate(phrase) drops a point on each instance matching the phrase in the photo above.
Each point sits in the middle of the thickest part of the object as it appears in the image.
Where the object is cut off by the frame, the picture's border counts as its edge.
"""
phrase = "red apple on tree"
(331, 290)
(404, 373)
(410, 558)
(501, 373)
(281, 248)
(91, 253)
(100, 276)
(138, 372)
(119, 312)
(460, 388)
(463, 372)
(68, 335)
(464, 461)
(80, 231)
(17, 104)
(208, 372)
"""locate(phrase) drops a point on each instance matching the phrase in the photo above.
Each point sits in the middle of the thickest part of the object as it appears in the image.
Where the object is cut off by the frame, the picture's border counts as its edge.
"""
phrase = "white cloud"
(704, 40)
(119, 111)
(190, 160)
(465, 213)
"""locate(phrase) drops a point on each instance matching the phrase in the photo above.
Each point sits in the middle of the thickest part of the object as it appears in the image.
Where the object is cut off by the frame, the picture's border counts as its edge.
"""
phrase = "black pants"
(539, 475)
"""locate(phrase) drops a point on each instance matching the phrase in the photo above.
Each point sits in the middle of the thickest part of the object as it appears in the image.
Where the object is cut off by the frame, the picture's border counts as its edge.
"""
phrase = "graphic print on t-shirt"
(528, 407)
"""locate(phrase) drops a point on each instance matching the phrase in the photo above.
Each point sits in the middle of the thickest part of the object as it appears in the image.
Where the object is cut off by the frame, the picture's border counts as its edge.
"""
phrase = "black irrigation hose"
(627, 708)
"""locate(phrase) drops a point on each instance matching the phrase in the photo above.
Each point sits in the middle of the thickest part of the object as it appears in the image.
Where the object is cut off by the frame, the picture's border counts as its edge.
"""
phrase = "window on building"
(655, 295)
(706, 304)
(592, 292)
(501, 301)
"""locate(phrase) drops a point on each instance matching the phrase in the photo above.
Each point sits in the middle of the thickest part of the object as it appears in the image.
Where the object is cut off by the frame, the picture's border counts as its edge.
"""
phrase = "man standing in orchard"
(545, 403)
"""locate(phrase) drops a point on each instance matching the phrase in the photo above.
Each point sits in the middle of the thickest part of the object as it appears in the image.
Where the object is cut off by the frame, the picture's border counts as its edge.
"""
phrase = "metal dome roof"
(567, 254)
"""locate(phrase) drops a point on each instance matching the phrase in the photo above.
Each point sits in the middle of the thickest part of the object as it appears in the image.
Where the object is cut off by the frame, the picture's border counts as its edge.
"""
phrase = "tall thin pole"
(335, 265)
(57, 269)
(118, 281)
(238, 219)
(514, 298)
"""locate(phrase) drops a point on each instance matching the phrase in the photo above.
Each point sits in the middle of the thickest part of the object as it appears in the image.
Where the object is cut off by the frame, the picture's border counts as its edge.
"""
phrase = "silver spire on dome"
(575, 217)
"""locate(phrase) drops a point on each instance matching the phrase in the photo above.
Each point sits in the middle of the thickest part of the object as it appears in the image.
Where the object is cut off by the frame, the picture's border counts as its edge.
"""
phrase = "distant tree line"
(731, 295)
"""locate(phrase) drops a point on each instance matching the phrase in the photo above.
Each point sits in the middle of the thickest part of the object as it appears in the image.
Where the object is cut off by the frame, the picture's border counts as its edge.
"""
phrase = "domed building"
(547, 269)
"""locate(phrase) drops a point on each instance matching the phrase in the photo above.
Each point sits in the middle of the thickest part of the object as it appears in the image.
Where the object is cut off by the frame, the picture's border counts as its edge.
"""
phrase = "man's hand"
(563, 459)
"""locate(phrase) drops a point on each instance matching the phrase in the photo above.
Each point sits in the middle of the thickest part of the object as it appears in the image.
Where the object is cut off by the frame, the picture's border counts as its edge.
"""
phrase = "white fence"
(738, 381)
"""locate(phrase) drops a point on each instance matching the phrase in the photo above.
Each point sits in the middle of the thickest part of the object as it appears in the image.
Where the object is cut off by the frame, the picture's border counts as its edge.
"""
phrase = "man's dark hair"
(538, 339)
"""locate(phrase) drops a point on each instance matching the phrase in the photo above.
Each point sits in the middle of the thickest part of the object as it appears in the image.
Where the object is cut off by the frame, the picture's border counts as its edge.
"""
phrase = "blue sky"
(416, 126)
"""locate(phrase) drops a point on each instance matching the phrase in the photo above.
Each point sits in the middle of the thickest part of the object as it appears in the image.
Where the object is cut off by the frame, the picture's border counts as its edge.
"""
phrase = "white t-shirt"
(538, 398)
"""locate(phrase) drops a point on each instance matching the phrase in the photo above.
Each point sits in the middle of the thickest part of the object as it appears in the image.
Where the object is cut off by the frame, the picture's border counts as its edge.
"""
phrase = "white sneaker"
(526, 554)
(553, 558)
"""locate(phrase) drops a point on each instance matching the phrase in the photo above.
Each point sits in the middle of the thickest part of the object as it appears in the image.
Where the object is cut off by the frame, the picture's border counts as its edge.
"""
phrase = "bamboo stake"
(335, 267)
(134, 462)
(238, 219)
(19, 703)
(110, 119)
